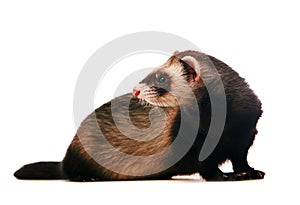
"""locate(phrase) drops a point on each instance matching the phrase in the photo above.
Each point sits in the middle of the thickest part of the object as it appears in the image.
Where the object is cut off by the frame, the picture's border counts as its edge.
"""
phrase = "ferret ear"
(192, 67)
(175, 53)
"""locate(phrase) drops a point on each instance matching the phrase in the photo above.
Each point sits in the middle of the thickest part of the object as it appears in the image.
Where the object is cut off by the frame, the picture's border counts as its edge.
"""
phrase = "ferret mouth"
(143, 98)
(146, 101)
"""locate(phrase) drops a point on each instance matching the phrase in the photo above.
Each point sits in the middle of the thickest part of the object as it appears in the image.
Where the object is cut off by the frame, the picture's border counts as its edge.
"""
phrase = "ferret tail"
(41, 170)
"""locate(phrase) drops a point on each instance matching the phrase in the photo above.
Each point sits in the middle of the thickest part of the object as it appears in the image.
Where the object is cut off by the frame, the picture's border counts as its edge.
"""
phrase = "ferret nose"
(136, 92)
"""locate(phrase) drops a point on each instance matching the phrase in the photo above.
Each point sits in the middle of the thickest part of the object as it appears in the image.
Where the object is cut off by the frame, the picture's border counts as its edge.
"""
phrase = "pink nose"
(136, 92)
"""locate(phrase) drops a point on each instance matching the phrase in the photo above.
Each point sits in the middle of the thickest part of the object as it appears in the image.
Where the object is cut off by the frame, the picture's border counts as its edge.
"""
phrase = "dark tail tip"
(40, 170)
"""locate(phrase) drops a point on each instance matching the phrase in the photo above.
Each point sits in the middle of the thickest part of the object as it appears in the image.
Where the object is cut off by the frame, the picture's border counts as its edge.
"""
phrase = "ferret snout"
(136, 92)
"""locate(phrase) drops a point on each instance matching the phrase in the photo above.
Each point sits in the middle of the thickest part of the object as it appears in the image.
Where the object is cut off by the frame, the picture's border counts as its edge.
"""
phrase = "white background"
(43, 47)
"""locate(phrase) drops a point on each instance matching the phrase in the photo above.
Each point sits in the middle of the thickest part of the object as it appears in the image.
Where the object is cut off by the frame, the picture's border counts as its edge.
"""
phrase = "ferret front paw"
(247, 175)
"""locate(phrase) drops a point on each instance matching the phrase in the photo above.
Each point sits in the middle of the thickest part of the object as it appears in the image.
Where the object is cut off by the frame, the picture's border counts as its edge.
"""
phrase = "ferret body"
(124, 138)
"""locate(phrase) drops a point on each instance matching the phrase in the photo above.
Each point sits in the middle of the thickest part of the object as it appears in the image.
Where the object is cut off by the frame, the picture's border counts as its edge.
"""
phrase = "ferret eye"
(161, 79)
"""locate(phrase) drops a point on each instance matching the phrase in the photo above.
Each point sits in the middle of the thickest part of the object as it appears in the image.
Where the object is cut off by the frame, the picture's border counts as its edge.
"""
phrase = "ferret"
(133, 136)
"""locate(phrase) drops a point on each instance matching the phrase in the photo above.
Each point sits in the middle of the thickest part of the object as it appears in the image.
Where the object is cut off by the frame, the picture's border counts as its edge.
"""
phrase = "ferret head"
(176, 79)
